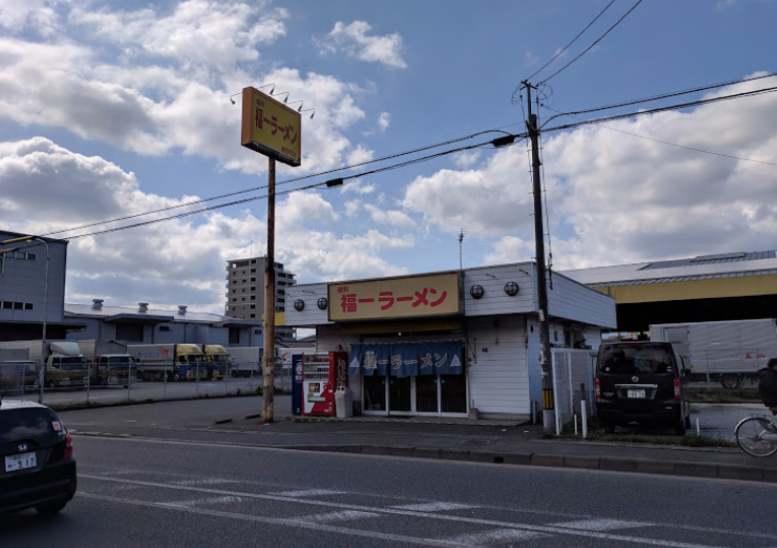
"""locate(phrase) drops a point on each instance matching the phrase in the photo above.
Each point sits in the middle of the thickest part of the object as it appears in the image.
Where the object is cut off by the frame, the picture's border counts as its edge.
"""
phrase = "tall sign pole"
(271, 128)
(268, 360)
(548, 418)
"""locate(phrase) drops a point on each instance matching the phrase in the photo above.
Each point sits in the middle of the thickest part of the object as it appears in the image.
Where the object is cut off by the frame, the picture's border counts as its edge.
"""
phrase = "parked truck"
(728, 352)
(174, 362)
(218, 360)
(109, 363)
(246, 361)
(65, 365)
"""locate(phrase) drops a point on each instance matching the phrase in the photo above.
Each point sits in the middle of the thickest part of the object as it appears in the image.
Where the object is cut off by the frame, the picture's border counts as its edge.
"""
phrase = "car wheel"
(687, 422)
(679, 427)
(731, 382)
(50, 509)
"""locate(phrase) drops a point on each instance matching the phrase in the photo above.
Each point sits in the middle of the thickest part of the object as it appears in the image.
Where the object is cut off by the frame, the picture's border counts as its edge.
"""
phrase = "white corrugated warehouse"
(488, 315)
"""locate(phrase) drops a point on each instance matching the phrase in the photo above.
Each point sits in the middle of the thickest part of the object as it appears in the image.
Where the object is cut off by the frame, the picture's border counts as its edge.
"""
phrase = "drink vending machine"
(316, 378)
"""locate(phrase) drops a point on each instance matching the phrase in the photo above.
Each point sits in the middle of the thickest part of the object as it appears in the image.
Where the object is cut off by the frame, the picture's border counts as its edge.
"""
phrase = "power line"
(288, 181)
(658, 97)
(308, 187)
(572, 42)
(592, 45)
(683, 146)
(670, 107)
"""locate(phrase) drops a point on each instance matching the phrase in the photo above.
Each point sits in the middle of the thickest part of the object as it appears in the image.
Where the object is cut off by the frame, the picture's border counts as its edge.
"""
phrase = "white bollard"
(584, 415)
(698, 430)
(575, 424)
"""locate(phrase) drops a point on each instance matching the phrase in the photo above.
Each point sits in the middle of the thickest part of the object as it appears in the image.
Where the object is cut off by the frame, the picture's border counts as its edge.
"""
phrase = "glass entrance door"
(374, 393)
(400, 394)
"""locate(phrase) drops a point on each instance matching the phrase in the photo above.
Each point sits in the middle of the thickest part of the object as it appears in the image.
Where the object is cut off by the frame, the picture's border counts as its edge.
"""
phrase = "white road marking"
(602, 524)
(204, 481)
(390, 511)
(503, 535)
(307, 493)
(433, 506)
(228, 499)
(338, 516)
(315, 526)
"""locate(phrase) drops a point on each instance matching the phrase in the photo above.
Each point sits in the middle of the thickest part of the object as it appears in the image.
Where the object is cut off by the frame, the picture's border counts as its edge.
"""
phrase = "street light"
(45, 304)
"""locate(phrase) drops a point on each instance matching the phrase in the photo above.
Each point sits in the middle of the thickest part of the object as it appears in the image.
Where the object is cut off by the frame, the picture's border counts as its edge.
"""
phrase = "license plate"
(20, 462)
(635, 393)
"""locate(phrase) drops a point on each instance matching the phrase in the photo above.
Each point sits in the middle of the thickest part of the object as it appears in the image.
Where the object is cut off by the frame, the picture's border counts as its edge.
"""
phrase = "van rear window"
(640, 359)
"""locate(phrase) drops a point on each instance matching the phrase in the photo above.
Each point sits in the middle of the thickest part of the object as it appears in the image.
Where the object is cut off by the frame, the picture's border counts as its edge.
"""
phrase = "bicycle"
(757, 435)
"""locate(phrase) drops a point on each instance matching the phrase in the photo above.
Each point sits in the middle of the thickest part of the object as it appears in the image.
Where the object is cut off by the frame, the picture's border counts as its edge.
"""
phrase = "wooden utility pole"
(268, 359)
(548, 418)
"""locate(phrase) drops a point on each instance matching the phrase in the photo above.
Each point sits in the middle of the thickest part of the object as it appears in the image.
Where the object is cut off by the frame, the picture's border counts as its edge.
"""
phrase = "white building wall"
(494, 299)
(573, 301)
(498, 366)
(311, 314)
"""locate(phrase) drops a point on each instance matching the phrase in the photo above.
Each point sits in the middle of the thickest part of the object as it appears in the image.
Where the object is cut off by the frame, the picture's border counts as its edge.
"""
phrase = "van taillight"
(677, 389)
(68, 447)
(597, 389)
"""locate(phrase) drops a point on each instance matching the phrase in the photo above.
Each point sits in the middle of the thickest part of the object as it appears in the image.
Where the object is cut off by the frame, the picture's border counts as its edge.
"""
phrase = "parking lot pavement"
(718, 420)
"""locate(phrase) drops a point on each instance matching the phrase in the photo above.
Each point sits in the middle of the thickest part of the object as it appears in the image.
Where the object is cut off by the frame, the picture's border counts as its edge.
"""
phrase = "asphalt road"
(164, 493)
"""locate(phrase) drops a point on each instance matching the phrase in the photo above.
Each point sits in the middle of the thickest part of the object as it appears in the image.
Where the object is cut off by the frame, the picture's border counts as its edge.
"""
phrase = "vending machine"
(321, 375)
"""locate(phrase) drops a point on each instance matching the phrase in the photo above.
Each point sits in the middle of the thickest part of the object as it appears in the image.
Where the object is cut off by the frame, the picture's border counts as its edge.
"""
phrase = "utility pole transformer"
(548, 418)
(268, 359)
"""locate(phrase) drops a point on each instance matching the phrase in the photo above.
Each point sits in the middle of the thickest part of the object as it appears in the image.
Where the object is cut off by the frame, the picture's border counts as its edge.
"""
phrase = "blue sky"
(115, 109)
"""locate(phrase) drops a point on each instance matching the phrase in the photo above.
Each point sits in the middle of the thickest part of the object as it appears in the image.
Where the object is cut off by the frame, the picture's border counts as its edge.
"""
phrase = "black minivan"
(641, 382)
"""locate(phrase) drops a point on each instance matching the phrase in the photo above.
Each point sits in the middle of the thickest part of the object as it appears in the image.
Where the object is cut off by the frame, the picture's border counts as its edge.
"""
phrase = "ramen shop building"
(458, 343)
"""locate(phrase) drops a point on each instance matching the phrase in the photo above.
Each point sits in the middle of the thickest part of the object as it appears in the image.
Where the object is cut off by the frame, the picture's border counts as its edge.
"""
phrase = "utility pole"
(548, 418)
(268, 359)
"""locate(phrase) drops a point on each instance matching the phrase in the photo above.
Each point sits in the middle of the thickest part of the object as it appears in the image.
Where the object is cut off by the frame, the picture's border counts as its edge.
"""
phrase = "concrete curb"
(610, 464)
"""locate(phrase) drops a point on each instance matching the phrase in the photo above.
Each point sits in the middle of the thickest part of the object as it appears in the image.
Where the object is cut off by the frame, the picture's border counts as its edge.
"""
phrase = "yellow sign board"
(271, 128)
(435, 295)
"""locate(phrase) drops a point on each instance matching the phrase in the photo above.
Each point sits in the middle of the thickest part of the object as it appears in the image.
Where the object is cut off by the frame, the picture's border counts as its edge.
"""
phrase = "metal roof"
(132, 312)
(724, 265)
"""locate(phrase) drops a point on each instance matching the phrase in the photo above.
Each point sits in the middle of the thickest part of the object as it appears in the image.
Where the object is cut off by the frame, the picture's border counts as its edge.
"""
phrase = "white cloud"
(158, 81)
(466, 159)
(384, 121)
(616, 198)
(177, 261)
(359, 187)
(354, 39)
(359, 155)
(393, 218)
(39, 15)
(486, 202)
(210, 34)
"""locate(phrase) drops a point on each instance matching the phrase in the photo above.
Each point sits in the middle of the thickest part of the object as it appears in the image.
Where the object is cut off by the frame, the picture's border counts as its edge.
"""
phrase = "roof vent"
(142, 307)
(182, 310)
(97, 304)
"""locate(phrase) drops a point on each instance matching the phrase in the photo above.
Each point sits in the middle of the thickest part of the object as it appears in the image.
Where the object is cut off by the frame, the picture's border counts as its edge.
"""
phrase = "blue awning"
(407, 359)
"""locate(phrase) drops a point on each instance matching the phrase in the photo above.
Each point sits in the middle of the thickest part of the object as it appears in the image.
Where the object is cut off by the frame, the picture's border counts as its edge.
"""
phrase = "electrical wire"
(287, 181)
(683, 146)
(658, 97)
(592, 45)
(308, 187)
(562, 50)
(667, 108)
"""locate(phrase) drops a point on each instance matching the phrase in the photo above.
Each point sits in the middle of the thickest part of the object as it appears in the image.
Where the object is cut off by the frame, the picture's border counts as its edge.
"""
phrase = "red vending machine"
(321, 375)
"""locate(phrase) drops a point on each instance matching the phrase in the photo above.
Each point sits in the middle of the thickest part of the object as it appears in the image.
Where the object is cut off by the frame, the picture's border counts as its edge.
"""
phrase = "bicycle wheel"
(750, 436)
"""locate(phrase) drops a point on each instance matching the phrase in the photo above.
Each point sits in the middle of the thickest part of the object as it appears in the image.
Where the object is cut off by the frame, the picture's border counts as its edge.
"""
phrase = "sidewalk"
(501, 442)
(238, 421)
